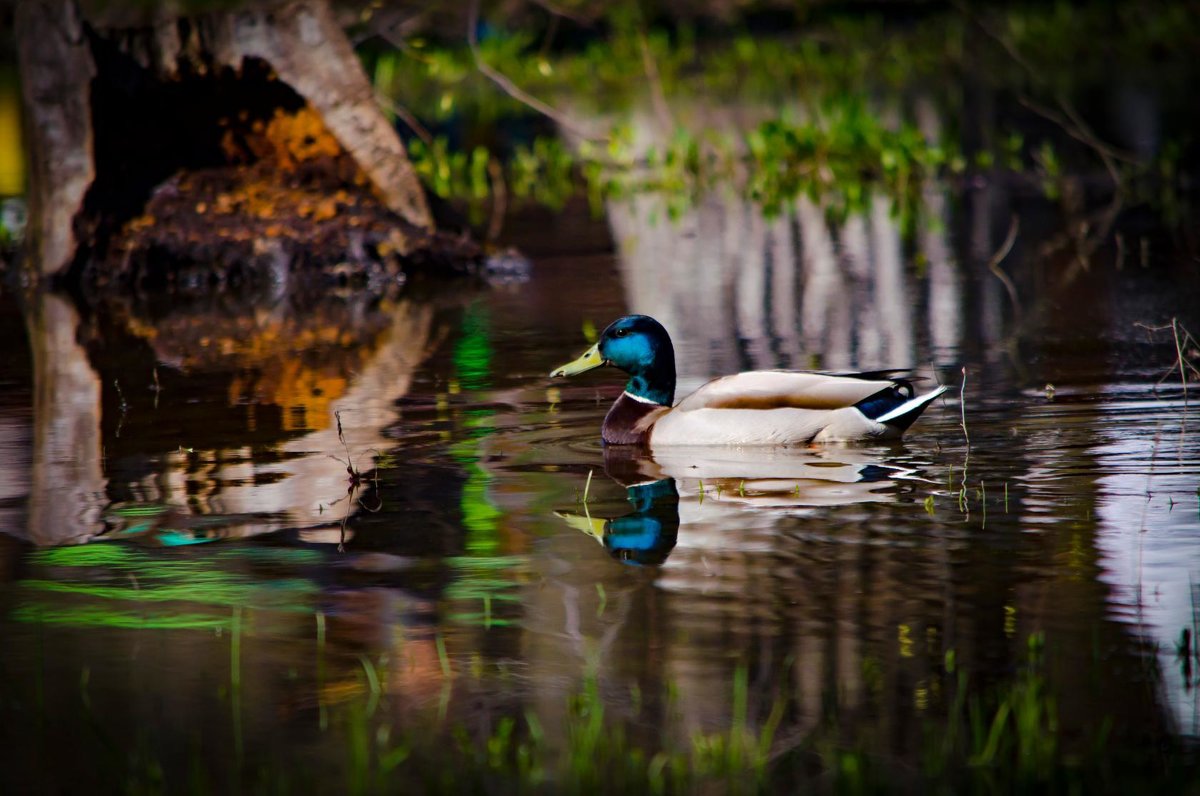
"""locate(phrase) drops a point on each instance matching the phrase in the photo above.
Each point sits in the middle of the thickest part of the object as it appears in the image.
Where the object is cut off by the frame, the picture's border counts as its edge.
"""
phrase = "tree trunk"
(56, 72)
(117, 101)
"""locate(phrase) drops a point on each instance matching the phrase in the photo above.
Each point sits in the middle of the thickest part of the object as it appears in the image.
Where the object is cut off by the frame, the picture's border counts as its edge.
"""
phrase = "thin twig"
(964, 505)
(512, 89)
(156, 387)
(395, 27)
(337, 415)
(1094, 230)
(123, 406)
(1074, 127)
(1179, 359)
(1070, 121)
(661, 109)
(548, 38)
(405, 115)
(962, 407)
(994, 266)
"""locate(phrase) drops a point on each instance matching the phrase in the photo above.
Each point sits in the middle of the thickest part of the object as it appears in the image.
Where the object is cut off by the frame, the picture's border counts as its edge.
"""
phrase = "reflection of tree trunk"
(781, 249)
(67, 490)
(311, 474)
(945, 278)
(68, 63)
(890, 283)
(855, 242)
(825, 314)
(302, 483)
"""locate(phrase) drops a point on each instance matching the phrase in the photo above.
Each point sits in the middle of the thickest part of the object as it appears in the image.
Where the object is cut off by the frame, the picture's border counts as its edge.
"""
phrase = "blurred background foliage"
(774, 100)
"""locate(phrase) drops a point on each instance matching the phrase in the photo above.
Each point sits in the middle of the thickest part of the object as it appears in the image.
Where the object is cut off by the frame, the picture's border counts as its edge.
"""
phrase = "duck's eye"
(620, 332)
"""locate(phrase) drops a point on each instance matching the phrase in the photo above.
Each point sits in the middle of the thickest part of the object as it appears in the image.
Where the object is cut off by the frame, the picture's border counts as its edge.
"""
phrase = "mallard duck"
(760, 407)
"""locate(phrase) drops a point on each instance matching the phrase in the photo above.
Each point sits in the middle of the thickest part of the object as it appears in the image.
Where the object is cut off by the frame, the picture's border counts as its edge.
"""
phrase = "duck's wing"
(778, 389)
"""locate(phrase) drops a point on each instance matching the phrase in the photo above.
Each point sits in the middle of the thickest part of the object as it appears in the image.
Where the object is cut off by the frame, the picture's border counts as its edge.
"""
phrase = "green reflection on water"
(484, 582)
(121, 584)
(481, 576)
(479, 516)
(93, 616)
(473, 354)
(96, 555)
(473, 366)
(211, 588)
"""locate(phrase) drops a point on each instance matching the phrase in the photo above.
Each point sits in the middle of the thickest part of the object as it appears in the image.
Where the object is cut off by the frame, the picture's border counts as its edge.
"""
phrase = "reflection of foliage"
(131, 588)
(486, 587)
(596, 749)
(473, 364)
(473, 370)
(479, 516)
(473, 353)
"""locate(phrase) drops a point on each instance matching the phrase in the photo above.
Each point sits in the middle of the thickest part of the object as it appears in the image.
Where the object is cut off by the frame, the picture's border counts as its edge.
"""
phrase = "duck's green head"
(640, 346)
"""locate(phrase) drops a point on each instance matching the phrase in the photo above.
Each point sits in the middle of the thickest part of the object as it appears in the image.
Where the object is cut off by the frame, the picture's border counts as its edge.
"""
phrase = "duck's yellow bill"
(590, 360)
(593, 527)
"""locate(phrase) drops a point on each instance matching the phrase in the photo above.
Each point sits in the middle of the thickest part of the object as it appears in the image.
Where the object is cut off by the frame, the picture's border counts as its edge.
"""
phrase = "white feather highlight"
(910, 405)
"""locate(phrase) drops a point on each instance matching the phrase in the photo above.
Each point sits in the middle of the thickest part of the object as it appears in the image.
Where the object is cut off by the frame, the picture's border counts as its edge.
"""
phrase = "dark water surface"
(190, 599)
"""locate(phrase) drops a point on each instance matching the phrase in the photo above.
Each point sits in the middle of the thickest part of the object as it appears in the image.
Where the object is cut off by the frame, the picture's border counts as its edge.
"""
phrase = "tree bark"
(66, 62)
(56, 73)
(309, 52)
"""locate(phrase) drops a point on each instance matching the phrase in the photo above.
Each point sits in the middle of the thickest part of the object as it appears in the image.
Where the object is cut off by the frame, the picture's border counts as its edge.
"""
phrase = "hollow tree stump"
(122, 102)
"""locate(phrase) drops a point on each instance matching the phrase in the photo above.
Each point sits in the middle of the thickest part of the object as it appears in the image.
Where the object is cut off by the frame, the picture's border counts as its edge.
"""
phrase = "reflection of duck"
(788, 479)
(704, 489)
(644, 536)
(780, 479)
(766, 407)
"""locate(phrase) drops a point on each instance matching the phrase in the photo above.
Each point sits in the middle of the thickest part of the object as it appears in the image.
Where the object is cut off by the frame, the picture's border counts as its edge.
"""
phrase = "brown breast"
(629, 421)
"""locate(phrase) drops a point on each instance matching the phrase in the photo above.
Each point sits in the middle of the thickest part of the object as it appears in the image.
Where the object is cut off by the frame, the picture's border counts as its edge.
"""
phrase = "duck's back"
(777, 389)
(772, 407)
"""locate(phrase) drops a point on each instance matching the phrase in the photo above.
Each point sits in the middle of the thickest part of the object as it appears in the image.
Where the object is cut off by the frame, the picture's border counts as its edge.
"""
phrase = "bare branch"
(1069, 120)
(512, 89)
